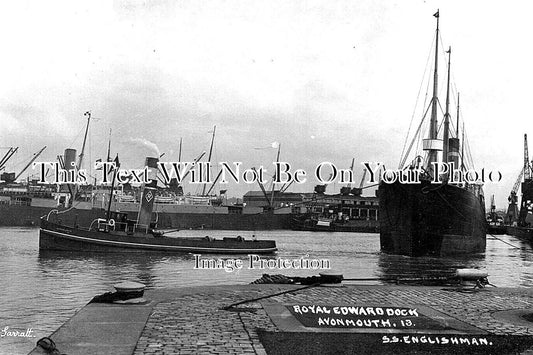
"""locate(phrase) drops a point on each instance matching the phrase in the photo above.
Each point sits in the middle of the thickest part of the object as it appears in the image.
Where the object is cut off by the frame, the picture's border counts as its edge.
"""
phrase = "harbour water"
(40, 291)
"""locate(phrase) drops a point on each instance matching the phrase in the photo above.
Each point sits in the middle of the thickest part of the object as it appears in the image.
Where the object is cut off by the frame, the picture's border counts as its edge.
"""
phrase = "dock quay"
(295, 319)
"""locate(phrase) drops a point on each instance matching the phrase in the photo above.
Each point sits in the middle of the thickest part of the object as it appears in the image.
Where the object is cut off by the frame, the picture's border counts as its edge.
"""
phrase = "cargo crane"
(35, 156)
(7, 177)
(524, 217)
(7, 156)
(512, 209)
(347, 189)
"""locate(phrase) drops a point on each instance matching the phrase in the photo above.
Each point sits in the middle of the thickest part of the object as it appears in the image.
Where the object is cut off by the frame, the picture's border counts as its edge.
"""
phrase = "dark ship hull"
(430, 219)
(496, 229)
(60, 237)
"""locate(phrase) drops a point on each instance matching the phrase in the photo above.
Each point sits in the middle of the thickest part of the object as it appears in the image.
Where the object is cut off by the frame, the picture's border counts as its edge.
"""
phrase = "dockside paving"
(313, 320)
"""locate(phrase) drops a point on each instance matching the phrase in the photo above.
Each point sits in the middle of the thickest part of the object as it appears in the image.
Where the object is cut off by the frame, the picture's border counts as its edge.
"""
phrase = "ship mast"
(109, 147)
(74, 190)
(80, 158)
(431, 143)
(463, 166)
(208, 159)
(457, 126)
(273, 185)
(446, 135)
(179, 155)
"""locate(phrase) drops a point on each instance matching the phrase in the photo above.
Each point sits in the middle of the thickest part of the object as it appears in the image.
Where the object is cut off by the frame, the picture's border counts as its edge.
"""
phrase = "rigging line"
(440, 126)
(268, 296)
(77, 136)
(469, 151)
(418, 140)
(443, 58)
(427, 90)
(23, 161)
(412, 142)
(441, 123)
(429, 81)
(416, 102)
(503, 241)
(425, 128)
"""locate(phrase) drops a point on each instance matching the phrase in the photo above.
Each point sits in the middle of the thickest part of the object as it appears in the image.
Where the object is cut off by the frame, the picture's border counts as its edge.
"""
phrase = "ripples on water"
(42, 290)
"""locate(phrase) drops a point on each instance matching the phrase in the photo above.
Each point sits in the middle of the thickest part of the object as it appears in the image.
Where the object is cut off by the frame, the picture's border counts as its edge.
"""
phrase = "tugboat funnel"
(147, 205)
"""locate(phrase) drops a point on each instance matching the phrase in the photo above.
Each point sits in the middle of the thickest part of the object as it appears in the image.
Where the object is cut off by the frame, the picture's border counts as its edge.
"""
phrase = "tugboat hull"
(54, 236)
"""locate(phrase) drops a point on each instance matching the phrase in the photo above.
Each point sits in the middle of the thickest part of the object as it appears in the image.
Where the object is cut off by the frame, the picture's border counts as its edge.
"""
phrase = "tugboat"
(128, 236)
(117, 233)
(433, 215)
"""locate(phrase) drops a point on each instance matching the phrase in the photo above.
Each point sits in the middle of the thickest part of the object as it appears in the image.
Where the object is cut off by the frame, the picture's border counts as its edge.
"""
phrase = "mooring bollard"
(129, 292)
(478, 277)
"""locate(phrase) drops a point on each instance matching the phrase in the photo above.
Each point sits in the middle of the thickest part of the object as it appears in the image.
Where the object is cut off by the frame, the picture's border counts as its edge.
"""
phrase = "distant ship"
(23, 204)
(427, 218)
(348, 211)
(495, 223)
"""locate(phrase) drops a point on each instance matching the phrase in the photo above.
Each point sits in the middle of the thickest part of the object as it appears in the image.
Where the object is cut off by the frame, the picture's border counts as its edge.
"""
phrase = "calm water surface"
(42, 290)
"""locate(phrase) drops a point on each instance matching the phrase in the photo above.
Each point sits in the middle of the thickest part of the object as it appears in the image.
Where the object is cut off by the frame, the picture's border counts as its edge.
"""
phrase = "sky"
(327, 80)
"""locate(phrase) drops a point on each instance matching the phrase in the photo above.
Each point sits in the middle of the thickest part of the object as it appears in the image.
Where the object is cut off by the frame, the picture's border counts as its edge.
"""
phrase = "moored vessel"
(433, 213)
(117, 233)
(495, 223)
(121, 237)
(24, 203)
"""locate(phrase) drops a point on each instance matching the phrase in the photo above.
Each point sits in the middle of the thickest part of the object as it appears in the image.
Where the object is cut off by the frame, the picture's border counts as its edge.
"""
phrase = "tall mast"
(527, 174)
(447, 114)
(273, 185)
(179, 155)
(457, 125)
(433, 123)
(209, 158)
(88, 114)
(117, 165)
(463, 148)
(109, 147)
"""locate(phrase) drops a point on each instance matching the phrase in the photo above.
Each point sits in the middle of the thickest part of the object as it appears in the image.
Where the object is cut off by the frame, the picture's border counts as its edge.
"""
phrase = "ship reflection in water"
(42, 290)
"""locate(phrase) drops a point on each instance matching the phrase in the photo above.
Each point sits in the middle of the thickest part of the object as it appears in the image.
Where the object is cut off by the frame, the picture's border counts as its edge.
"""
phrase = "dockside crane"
(7, 156)
(512, 209)
(492, 214)
(35, 156)
(7, 177)
(525, 217)
(526, 182)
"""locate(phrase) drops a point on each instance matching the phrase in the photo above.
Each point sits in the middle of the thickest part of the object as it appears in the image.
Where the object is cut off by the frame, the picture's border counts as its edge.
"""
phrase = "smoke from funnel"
(144, 143)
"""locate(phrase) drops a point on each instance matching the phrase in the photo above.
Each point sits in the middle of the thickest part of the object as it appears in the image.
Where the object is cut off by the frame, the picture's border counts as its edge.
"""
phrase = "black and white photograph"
(266, 177)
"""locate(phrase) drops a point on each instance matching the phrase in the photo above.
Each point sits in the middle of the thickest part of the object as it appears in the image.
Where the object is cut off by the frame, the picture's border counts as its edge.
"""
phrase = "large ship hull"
(59, 237)
(429, 219)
